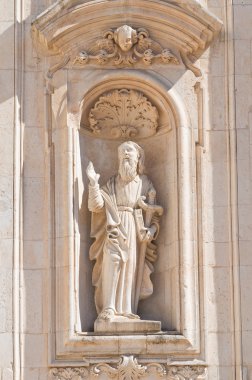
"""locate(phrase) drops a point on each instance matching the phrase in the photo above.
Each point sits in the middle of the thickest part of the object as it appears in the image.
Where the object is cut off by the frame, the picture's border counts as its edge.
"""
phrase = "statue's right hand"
(92, 175)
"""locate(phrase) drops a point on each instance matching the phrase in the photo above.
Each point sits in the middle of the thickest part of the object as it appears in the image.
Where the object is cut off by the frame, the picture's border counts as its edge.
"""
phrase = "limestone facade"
(190, 64)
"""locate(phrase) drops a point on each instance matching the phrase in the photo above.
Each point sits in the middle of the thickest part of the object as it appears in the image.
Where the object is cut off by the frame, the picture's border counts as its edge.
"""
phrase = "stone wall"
(201, 167)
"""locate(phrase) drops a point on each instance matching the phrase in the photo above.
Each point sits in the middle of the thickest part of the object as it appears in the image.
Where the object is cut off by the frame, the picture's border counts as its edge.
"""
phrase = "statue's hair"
(141, 158)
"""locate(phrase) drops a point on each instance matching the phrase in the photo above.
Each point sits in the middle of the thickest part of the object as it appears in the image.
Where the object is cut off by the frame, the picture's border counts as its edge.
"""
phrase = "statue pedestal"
(126, 325)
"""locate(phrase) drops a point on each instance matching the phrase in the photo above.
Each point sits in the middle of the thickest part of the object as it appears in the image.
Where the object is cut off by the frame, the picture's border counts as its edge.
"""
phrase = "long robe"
(116, 244)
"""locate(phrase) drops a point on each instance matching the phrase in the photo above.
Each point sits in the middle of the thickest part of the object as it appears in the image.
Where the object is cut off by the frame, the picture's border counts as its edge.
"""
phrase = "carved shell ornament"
(126, 46)
(123, 114)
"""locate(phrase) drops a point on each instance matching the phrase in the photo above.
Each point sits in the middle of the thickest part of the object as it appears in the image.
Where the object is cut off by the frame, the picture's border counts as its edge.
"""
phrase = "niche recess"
(61, 33)
(160, 147)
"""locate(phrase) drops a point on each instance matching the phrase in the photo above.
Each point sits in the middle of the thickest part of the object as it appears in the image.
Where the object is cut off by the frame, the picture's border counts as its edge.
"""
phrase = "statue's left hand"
(151, 255)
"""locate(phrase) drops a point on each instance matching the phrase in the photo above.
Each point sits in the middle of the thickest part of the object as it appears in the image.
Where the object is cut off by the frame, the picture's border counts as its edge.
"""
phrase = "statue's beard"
(128, 169)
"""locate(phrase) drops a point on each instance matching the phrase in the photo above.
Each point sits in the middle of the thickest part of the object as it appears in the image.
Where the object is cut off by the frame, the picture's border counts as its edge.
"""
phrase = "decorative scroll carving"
(59, 65)
(189, 65)
(104, 368)
(126, 46)
(156, 368)
(68, 373)
(123, 114)
(186, 372)
(128, 368)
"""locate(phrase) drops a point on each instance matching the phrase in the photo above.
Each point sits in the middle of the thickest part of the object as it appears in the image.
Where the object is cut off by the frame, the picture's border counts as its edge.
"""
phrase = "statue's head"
(125, 37)
(131, 160)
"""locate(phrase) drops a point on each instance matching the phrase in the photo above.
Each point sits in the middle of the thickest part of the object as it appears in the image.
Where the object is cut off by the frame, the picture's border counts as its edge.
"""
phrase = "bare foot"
(106, 314)
(131, 316)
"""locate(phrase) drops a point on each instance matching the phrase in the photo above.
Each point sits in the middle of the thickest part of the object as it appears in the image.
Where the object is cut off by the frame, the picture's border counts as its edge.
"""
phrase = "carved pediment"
(74, 31)
(126, 46)
(123, 114)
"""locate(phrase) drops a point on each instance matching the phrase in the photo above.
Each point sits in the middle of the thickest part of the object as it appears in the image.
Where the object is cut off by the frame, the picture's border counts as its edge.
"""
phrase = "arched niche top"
(70, 25)
(170, 109)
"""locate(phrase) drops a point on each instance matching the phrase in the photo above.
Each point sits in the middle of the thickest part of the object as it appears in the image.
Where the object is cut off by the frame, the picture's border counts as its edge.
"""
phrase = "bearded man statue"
(120, 233)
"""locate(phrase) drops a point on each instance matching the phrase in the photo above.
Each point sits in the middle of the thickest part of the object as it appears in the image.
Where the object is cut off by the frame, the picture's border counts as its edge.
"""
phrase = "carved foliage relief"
(126, 46)
(128, 368)
(68, 373)
(123, 114)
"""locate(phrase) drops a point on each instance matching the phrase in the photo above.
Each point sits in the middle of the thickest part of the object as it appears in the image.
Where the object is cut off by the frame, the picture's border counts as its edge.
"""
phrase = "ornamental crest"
(128, 368)
(126, 46)
(123, 114)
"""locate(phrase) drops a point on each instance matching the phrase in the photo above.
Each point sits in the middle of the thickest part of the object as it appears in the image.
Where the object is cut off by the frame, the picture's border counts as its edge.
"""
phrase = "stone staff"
(150, 209)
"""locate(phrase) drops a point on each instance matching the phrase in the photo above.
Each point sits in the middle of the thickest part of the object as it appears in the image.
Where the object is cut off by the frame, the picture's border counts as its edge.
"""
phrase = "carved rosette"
(123, 114)
(128, 368)
(126, 46)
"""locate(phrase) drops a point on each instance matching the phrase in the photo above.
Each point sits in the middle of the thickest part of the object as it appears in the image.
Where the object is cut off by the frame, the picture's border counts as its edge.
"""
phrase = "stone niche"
(85, 68)
(168, 158)
(161, 166)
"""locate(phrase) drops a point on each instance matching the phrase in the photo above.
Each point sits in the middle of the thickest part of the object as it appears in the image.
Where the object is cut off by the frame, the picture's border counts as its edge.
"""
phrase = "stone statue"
(124, 226)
